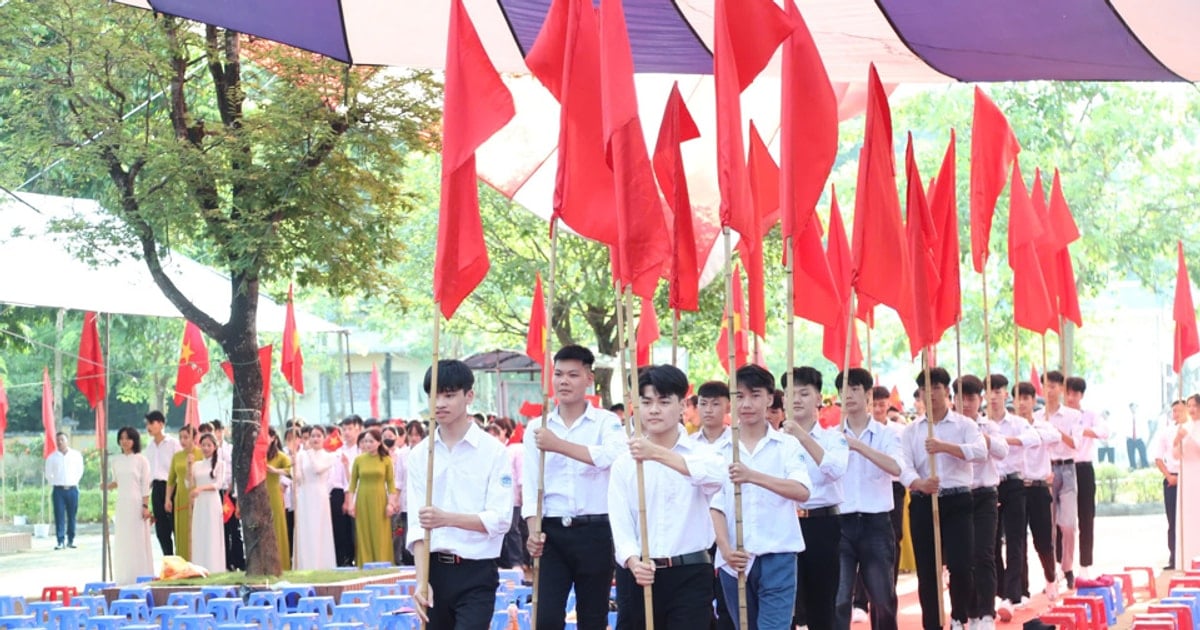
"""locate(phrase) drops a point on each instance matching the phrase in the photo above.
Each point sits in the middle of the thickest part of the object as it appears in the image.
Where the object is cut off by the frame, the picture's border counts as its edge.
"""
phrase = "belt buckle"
(566, 521)
(802, 513)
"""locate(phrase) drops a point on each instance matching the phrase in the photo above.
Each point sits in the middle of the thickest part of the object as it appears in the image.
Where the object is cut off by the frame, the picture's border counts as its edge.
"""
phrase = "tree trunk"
(604, 380)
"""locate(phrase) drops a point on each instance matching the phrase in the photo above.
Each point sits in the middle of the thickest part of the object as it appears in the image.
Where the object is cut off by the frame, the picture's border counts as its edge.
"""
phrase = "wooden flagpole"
(927, 394)
(547, 377)
(423, 574)
(106, 560)
(675, 337)
(295, 457)
(631, 407)
(790, 293)
(1017, 355)
(735, 429)
(870, 361)
(987, 336)
(850, 333)
(622, 365)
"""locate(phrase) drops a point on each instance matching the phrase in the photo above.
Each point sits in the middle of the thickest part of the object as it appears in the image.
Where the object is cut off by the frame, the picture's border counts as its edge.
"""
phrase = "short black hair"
(575, 352)
(1173, 405)
(854, 377)
(617, 407)
(371, 422)
(1195, 398)
(937, 375)
(802, 376)
(216, 425)
(156, 416)
(1053, 376)
(879, 392)
(1024, 388)
(453, 376)
(969, 384)
(667, 380)
(777, 402)
(999, 381)
(714, 389)
(1076, 384)
(352, 419)
(133, 435)
(756, 377)
(59, 434)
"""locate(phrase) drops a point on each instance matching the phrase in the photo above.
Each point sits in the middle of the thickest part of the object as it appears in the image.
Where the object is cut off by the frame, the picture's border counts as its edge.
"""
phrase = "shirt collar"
(470, 437)
(588, 414)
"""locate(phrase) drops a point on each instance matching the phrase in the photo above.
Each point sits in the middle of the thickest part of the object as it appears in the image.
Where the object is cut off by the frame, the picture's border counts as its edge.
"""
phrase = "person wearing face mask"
(314, 528)
(399, 452)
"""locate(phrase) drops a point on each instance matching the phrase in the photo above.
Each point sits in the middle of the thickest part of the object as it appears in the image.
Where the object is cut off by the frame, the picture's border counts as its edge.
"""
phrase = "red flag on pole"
(922, 237)
(1046, 245)
(49, 445)
(815, 295)
(1068, 232)
(1036, 380)
(375, 389)
(476, 104)
(764, 188)
(647, 332)
(193, 362)
(838, 253)
(678, 127)
(741, 344)
(1031, 304)
(89, 371)
(1187, 339)
(3, 415)
(994, 147)
(258, 461)
(535, 339)
(291, 361)
(943, 205)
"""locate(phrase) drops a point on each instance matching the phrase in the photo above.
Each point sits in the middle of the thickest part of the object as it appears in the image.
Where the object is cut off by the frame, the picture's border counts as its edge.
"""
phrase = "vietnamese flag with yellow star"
(193, 363)
(292, 361)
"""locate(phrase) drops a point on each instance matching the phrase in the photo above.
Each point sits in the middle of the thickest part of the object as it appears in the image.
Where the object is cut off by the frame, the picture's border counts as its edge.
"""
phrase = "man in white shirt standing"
(1019, 435)
(339, 480)
(64, 469)
(1038, 501)
(1092, 429)
(1166, 457)
(681, 478)
(957, 444)
(1065, 491)
(159, 451)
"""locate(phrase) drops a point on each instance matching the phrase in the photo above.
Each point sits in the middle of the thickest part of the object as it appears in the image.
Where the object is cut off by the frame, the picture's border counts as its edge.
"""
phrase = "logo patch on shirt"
(506, 481)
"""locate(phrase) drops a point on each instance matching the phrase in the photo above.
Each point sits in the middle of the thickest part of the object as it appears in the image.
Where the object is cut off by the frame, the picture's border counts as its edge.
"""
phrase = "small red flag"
(677, 127)
(227, 508)
(375, 389)
(943, 205)
(193, 362)
(291, 361)
(530, 409)
(333, 441)
(1067, 232)
(994, 147)
(764, 186)
(50, 444)
(89, 371)
(1031, 304)
(535, 339)
(838, 254)
(3, 415)
(1187, 339)
(647, 332)
(475, 105)
(741, 345)
(922, 237)
(1036, 380)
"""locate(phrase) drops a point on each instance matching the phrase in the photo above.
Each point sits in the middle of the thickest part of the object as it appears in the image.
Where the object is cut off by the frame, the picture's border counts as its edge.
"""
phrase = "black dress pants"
(958, 542)
(817, 572)
(682, 597)
(343, 529)
(985, 512)
(1010, 560)
(1037, 513)
(164, 522)
(580, 555)
(464, 593)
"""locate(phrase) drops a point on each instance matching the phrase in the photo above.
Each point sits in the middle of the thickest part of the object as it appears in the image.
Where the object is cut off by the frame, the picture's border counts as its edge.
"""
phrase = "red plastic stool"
(1146, 621)
(1183, 613)
(1064, 620)
(1196, 563)
(59, 593)
(1185, 581)
(1078, 613)
(1126, 586)
(1151, 585)
(1095, 604)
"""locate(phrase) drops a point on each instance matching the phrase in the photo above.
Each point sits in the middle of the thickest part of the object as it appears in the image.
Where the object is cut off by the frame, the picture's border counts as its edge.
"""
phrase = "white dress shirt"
(986, 473)
(572, 487)
(1085, 447)
(1067, 421)
(677, 517)
(1037, 457)
(1163, 447)
(400, 473)
(717, 444)
(339, 475)
(952, 472)
(826, 488)
(66, 469)
(769, 523)
(159, 455)
(475, 477)
(225, 454)
(1012, 425)
(866, 488)
(516, 452)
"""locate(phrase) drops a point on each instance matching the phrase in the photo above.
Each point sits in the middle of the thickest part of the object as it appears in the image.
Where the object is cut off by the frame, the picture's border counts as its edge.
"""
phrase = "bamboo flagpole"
(675, 337)
(622, 365)
(735, 429)
(850, 334)
(295, 457)
(927, 395)
(631, 407)
(870, 361)
(987, 337)
(423, 574)
(106, 561)
(547, 378)
(790, 293)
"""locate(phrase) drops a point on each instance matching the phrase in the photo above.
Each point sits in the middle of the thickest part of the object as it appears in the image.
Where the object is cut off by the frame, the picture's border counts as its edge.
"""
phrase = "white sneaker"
(986, 623)
(1082, 573)
(972, 624)
(1051, 592)
(1004, 610)
(859, 615)
(1024, 602)
(956, 625)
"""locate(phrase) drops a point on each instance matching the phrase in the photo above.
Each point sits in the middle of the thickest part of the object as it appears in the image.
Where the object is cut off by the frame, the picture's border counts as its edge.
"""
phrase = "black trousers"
(958, 542)
(722, 618)
(235, 555)
(164, 522)
(582, 556)
(682, 599)
(818, 572)
(1169, 494)
(898, 493)
(464, 594)
(1085, 475)
(1037, 514)
(1010, 565)
(985, 512)
(343, 529)
(512, 551)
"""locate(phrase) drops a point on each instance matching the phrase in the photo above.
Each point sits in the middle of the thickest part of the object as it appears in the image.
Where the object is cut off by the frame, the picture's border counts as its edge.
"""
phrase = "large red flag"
(1046, 245)
(922, 238)
(475, 105)
(1187, 339)
(375, 390)
(1031, 304)
(678, 127)
(993, 149)
(943, 205)
(647, 332)
(815, 295)
(882, 267)
(49, 444)
(535, 339)
(566, 59)
(841, 268)
(89, 371)
(193, 362)
(291, 361)
(808, 128)
(1067, 232)
(741, 344)
(764, 186)
(3, 415)
(642, 251)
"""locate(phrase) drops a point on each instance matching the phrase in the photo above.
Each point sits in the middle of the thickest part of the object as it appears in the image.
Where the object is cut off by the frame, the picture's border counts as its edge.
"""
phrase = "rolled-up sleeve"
(620, 517)
(997, 445)
(529, 472)
(498, 504)
(612, 446)
(837, 456)
(974, 447)
(706, 470)
(414, 493)
(794, 466)
(907, 459)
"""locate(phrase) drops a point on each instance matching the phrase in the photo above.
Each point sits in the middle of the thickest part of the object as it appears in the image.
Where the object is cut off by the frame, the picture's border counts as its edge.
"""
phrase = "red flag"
(333, 441)
(566, 59)
(1036, 380)
(476, 104)
(642, 252)
(50, 444)
(647, 332)
(3, 415)
(840, 267)
(258, 462)
(227, 508)
(535, 339)
(89, 371)
(882, 267)
(815, 295)
(1031, 304)
(746, 34)
(1046, 245)
(922, 237)
(1064, 226)
(193, 362)
(741, 345)
(678, 127)
(530, 409)
(375, 389)
(191, 411)
(943, 205)
(291, 361)
(1187, 339)
(764, 186)
(993, 149)
(809, 128)
(894, 398)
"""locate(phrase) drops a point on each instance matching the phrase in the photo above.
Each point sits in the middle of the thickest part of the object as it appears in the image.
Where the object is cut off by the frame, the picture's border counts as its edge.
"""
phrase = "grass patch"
(237, 578)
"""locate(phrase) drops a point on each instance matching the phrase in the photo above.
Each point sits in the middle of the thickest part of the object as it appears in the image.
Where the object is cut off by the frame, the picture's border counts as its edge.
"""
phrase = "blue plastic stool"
(236, 626)
(371, 566)
(210, 592)
(142, 579)
(165, 616)
(322, 605)
(261, 616)
(274, 599)
(195, 622)
(41, 611)
(502, 601)
(96, 604)
(16, 621)
(137, 592)
(523, 594)
(68, 617)
(224, 609)
(402, 621)
(293, 594)
(351, 613)
(107, 622)
(9, 605)
(1192, 604)
(357, 597)
(1183, 591)
(383, 590)
(612, 620)
(192, 600)
(1110, 603)
(500, 620)
(96, 587)
(299, 621)
(389, 604)
(1120, 597)
(134, 610)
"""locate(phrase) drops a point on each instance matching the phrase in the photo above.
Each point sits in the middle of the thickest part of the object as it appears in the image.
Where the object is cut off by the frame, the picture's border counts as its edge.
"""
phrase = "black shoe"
(1070, 576)
(71, 546)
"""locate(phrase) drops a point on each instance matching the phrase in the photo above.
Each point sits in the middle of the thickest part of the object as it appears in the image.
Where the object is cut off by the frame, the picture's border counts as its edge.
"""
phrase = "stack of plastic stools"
(1182, 612)
(320, 604)
(165, 616)
(1191, 604)
(1191, 593)
(1147, 621)
(293, 594)
(1098, 613)
(261, 616)
(193, 601)
(16, 621)
(195, 622)
(299, 621)
(1108, 594)
(1151, 585)
(274, 599)
(351, 613)
(68, 617)
(402, 621)
(96, 604)
(1184, 581)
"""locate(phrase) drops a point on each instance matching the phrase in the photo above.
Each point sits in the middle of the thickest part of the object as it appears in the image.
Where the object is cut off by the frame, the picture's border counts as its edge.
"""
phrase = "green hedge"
(28, 501)
(1115, 484)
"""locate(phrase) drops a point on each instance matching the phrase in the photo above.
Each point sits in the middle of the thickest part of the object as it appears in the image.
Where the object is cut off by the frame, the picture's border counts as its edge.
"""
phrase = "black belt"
(442, 557)
(944, 492)
(1035, 483)
(696, 557)
(830, 510)
(64, 487)
(1061, 462)
(574, 521)
(983, 490)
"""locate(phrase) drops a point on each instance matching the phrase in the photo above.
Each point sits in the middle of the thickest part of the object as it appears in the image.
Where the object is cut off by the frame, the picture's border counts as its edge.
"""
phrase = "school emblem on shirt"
(506, 481)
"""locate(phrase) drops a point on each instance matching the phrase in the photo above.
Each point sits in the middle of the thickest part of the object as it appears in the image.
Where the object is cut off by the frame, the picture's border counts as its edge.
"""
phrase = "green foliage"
(1119, 485)
(29, 501)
